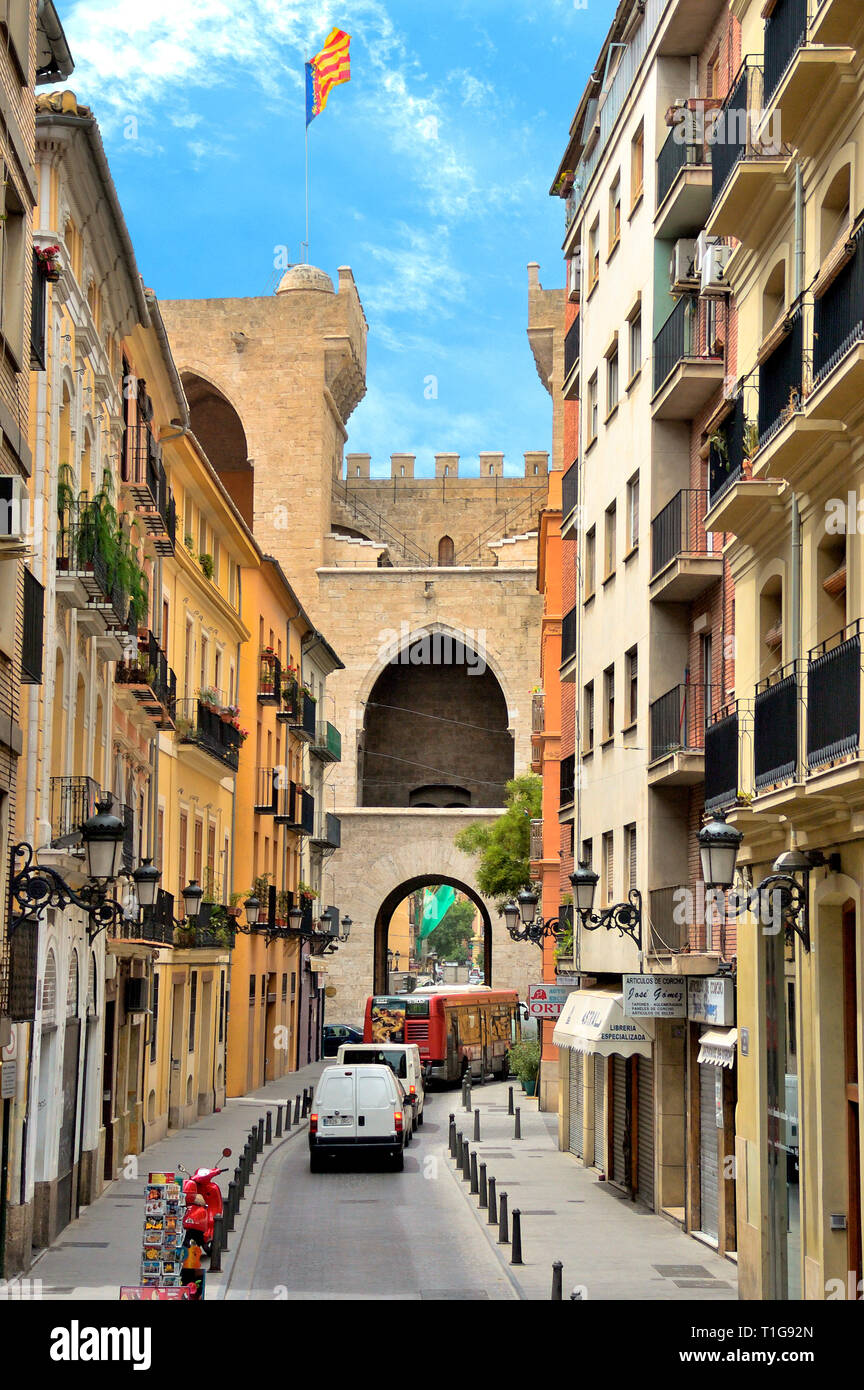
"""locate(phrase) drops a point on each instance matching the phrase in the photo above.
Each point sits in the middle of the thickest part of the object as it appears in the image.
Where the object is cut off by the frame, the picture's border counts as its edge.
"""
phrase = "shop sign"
(654, 996)
(711, 999)
(547, 1001)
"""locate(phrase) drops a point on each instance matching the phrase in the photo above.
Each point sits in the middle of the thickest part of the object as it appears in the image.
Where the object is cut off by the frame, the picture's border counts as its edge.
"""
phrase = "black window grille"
(775, 728)
(38, 302)
(834, 699)
(785, 31)
(32, 636)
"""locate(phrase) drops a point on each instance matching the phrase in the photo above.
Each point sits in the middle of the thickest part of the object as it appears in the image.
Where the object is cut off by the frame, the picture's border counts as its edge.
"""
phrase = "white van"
(357, 1108)
(404, 1058)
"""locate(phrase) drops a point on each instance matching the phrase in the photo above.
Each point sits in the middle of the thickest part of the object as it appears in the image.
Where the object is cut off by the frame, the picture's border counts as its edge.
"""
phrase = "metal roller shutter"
(600, 1112)
(619, 1172)
(645, 1161)
(708, 1175)
(576, 1102)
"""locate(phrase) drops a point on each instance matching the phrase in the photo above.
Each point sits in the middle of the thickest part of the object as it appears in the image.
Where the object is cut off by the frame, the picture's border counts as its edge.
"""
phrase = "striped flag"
(326, 70)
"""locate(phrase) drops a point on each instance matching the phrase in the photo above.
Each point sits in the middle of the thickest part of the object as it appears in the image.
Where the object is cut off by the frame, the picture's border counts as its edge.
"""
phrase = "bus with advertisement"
(458, 1028)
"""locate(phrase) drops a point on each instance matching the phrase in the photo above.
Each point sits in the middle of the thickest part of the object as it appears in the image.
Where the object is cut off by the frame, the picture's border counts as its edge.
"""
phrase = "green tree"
(449, 938)
(503, 847)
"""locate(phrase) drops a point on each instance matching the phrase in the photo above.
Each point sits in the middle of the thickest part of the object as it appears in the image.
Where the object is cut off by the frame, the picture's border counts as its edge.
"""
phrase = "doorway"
(853, 1144)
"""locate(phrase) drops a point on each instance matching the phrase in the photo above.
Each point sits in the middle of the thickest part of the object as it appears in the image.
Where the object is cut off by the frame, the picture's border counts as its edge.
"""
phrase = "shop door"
(577, 1062)
(66, 1150)
(108, 1090)
(600, 1113)
(708, 1171)
(645, 1129)
(851, 1025)
(620, 1127)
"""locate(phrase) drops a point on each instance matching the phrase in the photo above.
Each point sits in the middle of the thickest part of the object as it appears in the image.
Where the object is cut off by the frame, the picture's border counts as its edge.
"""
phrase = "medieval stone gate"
(425, 587)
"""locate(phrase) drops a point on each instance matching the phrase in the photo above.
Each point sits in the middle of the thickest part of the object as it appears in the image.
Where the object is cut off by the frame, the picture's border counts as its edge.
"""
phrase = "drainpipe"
(796, 566)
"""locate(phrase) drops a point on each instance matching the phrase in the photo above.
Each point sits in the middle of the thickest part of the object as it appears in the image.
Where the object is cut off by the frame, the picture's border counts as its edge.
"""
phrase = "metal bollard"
(509, 1100)
(288, 1118)
(451, 1136)
(268, 1128)
(475, 1186)
(516, 1253)
(296, 1110)
(260, 1140)
(483, 1196)
(557, 1281)
(476, 1126)
(278, 1121)
(307, 1101)
(238, 1185)
(458, 1154)
(492, 1218)
(466, 1091)
(503, 1236)
(216, 1246)
(231, 1206)
(466, 1162)
(517, 1128)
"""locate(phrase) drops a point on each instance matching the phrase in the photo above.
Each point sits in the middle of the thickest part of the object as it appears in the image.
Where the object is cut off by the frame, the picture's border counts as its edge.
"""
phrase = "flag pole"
(306, 157)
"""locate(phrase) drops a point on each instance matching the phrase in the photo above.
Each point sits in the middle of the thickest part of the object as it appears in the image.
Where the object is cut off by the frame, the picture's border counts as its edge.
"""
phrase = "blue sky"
(430, 172)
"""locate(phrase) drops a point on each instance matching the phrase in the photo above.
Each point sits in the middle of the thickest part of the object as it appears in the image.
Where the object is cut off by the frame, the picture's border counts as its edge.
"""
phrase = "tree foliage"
(503, 847)
(449, 938)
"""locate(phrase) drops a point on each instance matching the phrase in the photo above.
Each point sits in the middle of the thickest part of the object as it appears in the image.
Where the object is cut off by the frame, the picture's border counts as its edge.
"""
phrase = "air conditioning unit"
(682, 267)
(703, 242)
(136, 994)
(14, 508)
(714, 282)
(574, 276)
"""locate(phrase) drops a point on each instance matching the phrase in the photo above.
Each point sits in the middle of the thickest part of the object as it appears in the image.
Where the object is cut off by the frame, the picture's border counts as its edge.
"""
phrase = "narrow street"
(361, 1232)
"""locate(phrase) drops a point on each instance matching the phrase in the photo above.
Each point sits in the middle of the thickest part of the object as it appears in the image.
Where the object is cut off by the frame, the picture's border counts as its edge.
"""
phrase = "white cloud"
(419, 277)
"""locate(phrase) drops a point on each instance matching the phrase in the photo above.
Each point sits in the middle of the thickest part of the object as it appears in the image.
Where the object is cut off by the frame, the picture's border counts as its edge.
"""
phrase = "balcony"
(84, 572)
(683, 562)
(568, 645)
(834, 700)
(683, 182)
(686, 373)
(568, 781)
(681, 930)
(677, 756)
(569, 498)
(571, 362)
(750, 172)
(737, 502)
(269, 678)
(199, 727)
(838, 338)
(775, 729)
(781, 375)
(537, 726)
(73, 800)
(328, 834)
(721, 758)
(535, 847)
(266, 791)
(295, 808)
(807, 83)
(146, 685)
(834, 20)
(299, 711)
(328, 743)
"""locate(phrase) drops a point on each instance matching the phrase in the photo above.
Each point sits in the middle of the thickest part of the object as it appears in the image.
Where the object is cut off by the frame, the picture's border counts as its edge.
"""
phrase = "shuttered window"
(630, 867)
(608, 868)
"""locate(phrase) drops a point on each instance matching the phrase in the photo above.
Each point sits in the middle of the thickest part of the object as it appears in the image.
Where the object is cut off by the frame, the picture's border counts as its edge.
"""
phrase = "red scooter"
(198, 1221)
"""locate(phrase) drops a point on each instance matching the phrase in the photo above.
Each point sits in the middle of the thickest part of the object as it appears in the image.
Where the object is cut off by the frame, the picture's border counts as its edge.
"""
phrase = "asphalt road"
(360, 1231)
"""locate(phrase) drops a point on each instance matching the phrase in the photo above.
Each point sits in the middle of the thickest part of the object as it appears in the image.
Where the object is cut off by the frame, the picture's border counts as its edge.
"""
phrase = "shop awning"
(594, 1021)
(717, 1047)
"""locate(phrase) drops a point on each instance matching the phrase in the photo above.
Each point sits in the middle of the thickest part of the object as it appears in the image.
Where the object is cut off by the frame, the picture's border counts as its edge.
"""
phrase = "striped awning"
(594, 1021)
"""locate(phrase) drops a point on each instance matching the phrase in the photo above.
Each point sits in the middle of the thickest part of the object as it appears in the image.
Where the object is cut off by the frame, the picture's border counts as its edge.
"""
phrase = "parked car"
(405, 1060)
(475, 977)
(356, 1109)
(335, 1034)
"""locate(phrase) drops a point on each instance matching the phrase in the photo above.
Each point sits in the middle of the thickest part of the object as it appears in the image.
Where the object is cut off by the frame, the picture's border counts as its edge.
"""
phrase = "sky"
(430, 173)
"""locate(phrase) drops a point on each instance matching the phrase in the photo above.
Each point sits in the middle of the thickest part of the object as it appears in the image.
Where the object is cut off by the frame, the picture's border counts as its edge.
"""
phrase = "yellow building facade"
(787, 479)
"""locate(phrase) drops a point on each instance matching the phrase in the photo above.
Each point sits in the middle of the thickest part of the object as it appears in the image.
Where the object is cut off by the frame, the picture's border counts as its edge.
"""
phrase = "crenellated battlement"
(358, 467)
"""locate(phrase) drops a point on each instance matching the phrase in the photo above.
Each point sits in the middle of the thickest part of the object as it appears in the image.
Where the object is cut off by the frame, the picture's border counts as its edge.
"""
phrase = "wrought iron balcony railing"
(838, 315)
(676, 154)
(678, 530)
(775, 727)
(726, 454)
(834, 698)
(269, 678)
(678, 721)
(785, 32)
(781, 377)
(721, 758)
(328, 743)
(196, 723)
(73, 800)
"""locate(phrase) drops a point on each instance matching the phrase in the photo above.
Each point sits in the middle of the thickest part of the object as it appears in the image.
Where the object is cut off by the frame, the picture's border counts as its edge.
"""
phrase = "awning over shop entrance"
(594, 1021)
(717, 1047)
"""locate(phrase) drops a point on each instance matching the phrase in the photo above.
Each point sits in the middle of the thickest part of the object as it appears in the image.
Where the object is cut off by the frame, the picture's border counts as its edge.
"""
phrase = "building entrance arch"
(402, 891)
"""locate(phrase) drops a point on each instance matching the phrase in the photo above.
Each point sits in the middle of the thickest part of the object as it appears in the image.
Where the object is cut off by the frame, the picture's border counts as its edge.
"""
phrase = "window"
(635, 343)
(608, 868)
(588, 718)
(445, 551)
(154, 1020)
(590, 561)
(594, 255)
(181, 850)
(632, 685)
(197, 848)
(707, 655)
(38, 304)
(608, 702)
(633, 512)
(612, 382)
(593, 416)
(611, 526)
(615, 213)
(13, 253)
(31, 646)
(193, 1005)
(712, 74)
(160, 837)
(630, 861)
(637, 165)
(587, 857)
(221, 1004)
(285, 988)
(205, 662)
(252, 979)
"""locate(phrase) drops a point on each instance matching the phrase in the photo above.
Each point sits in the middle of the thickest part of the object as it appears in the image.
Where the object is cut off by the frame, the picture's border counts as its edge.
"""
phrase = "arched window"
(445, 551)
(49, 992)
(836, 206)
(773, 297)
(72, 987)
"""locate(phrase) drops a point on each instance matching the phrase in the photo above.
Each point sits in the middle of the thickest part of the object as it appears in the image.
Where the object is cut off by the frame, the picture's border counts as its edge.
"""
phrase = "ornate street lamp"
(35, 886)
(103, 835)
(523, 922)
(146, 879)
(626, 918)
(192, 895)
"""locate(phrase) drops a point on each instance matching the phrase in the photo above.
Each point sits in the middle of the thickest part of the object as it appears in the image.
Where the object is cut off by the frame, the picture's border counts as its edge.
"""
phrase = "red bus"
(457, 1029)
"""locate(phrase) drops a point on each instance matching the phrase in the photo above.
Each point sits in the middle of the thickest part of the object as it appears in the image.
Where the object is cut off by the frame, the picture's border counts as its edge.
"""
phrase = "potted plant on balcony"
(235, 904)
(283, 903)
(189, 542)
(184, 935)
(206, 562)
(524, 1059)
(208, 697)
